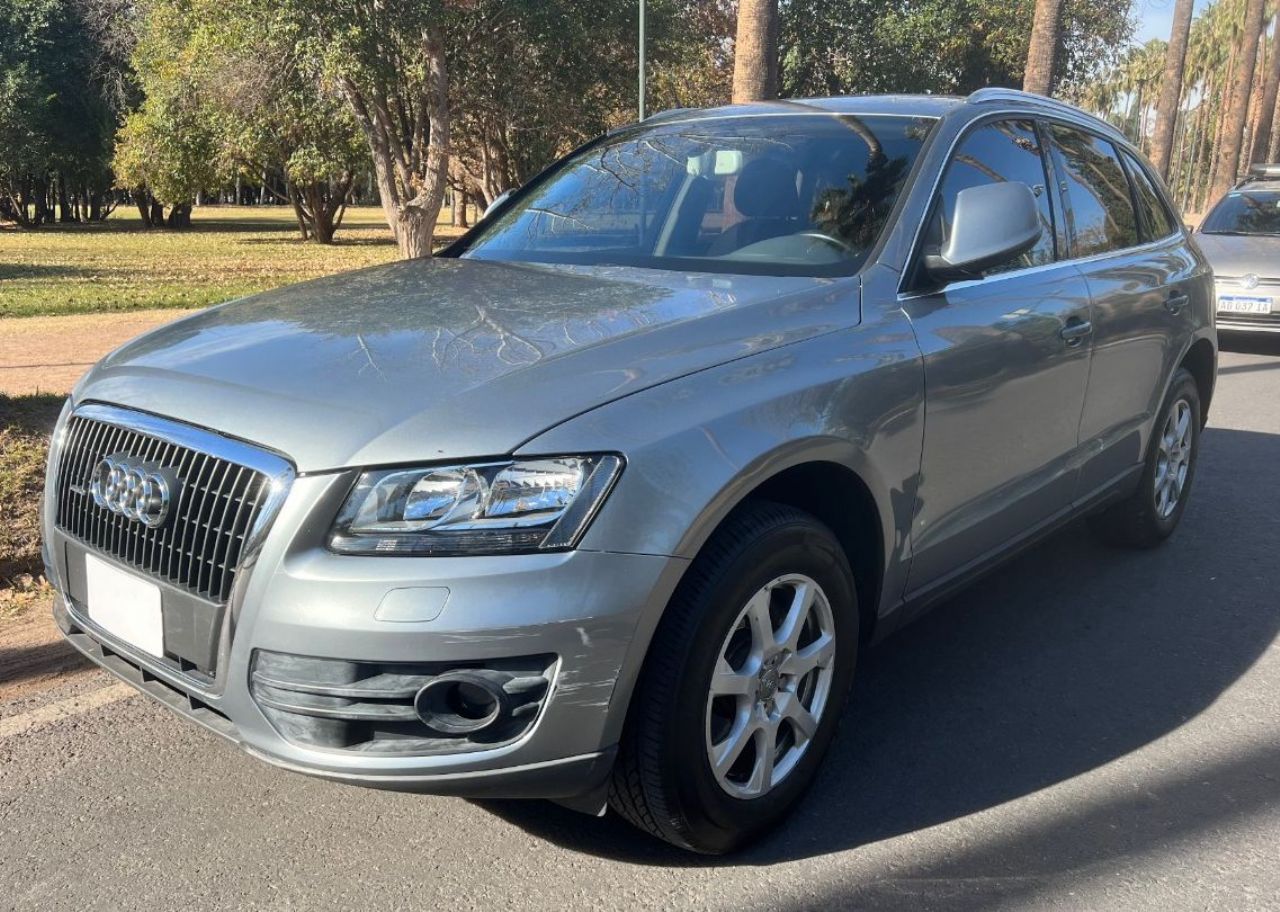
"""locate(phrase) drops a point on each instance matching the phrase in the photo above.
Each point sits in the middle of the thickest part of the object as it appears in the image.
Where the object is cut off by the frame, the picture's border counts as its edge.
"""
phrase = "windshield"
(1245, 212)
(772, 194)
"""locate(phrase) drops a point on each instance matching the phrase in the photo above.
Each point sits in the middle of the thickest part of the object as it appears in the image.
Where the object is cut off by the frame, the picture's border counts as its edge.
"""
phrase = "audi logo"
(141, 492)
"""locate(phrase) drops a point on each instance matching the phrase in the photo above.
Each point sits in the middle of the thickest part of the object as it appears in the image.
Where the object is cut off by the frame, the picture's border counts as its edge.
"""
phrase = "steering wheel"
(830, 239)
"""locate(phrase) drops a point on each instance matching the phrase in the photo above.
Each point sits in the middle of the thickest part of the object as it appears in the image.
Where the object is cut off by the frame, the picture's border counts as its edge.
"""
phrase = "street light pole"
(642, 59)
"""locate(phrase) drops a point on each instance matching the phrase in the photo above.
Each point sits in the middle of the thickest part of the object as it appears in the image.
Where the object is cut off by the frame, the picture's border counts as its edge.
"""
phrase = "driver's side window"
(1007, 150)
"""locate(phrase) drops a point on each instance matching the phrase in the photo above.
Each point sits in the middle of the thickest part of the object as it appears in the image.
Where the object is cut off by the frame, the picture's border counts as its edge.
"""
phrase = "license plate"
(124, 605)
(1244, 304)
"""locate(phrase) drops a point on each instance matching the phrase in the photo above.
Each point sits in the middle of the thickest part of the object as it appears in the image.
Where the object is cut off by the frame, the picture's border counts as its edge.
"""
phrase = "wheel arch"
(1201, 362)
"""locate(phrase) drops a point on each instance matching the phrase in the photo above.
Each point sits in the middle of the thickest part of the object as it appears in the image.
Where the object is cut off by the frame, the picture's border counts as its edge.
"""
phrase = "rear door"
(1006, 367)
(1141, 276)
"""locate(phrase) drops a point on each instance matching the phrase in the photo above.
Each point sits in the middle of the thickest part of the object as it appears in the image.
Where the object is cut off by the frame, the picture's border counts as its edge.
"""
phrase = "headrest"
(766, 188)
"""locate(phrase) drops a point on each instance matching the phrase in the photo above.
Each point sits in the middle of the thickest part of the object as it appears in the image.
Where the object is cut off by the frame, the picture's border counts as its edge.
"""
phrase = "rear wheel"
(744, 683)
(1151, 513)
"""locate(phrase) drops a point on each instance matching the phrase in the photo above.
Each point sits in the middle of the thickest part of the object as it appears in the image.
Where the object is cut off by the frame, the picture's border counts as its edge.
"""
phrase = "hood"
(450, 358)
(1236, 255)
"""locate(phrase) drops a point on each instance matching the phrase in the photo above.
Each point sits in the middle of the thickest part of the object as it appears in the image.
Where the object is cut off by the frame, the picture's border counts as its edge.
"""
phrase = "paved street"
(1085, 729)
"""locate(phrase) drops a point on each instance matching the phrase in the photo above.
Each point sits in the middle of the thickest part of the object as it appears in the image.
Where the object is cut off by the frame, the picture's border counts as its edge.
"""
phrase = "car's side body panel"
(1004, 398)
(1148, 304)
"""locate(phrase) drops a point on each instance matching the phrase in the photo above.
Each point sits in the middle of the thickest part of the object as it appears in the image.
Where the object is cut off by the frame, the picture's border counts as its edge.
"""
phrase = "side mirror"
(992, 224)
(497, 201)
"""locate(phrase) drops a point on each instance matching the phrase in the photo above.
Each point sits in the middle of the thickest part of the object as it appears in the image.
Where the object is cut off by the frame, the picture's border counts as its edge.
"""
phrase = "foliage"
(531, 81)
(62, 82)
(941, 46)
(1126, 94)
(166, 150)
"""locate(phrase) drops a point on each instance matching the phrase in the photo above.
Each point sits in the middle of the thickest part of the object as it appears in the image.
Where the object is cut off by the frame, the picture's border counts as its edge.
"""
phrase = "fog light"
(461, 703)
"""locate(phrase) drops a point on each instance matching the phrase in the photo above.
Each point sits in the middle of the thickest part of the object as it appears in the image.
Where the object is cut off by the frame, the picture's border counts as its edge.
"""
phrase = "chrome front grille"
(224, 494)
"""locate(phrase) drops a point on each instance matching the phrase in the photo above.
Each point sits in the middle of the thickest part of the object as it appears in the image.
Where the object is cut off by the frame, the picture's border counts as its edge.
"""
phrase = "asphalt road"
(1084, 729)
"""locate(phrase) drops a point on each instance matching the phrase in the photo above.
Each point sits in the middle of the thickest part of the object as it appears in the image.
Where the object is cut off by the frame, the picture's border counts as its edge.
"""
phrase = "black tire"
(662, 781)
(1136, 521)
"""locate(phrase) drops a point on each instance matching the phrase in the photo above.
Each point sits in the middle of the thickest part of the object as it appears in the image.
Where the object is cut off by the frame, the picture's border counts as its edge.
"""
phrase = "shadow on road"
(1249, 344)
(20, 663)
(1068, 658)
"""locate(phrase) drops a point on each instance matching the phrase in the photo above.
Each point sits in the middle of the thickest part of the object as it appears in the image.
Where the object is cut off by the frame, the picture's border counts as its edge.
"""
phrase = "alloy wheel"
(771, 685)
(1173, 458)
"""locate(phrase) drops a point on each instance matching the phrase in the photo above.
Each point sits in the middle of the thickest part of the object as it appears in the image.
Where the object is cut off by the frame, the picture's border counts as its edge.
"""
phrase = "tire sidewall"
(720, 820)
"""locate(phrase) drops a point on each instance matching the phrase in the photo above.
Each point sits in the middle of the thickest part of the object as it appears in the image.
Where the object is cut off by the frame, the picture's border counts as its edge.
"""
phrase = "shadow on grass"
(34, 414)
(25, 425)
(10, 271)
(1071, 657)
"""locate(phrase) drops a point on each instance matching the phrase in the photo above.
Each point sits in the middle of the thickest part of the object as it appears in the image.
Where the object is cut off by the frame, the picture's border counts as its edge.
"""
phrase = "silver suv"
(602, 504)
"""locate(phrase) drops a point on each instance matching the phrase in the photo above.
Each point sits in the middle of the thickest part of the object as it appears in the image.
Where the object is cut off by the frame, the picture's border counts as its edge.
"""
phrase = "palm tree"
(1266, 114)
(1171, 89)
(755, 54)
(1038, 77)
(1238, 108)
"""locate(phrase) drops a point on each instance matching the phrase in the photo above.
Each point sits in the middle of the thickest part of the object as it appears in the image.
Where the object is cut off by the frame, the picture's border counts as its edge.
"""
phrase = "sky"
(1155, 18)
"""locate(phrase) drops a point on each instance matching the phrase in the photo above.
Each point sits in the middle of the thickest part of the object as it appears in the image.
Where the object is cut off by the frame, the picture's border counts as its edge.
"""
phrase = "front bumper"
(584, 608)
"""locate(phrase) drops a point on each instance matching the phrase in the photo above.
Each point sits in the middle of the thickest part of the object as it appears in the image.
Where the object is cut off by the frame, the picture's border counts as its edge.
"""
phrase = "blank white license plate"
(1244, 304)
(124, 605)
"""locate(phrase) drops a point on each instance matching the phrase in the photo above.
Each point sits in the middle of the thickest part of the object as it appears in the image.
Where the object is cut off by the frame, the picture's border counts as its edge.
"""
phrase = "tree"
(755, 53)
(942, 46)
(529, 82)
(166, 150)
(271, 116)
(1043, 49)
(58, 106)
(1266, 115)
(1228, 163)
(1175, 62)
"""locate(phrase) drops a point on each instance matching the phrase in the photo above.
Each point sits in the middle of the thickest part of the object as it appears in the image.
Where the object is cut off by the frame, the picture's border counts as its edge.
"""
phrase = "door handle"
(1175, 302)
(1076, 331)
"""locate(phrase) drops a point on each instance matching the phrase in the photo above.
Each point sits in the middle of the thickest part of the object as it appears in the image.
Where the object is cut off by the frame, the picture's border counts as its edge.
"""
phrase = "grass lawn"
(229, 251)
(121, 266)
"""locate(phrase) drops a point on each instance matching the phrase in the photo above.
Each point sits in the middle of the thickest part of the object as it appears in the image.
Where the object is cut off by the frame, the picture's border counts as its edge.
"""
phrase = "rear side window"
(1007, 150)
(1100, 216)
(1156, 218)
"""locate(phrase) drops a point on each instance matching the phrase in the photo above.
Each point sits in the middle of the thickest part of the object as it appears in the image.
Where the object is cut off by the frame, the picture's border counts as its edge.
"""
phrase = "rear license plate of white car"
(124, 605)
(1244, 304)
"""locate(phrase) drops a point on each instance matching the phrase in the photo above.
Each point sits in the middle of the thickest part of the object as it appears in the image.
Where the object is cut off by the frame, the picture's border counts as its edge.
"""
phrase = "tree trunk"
(1273, 153)
(755, 53)
(1175, 60)
(180, 216)
(65, 213)
(1267, 113)
(1043, 49)
(1228, 164)
(1255, 99)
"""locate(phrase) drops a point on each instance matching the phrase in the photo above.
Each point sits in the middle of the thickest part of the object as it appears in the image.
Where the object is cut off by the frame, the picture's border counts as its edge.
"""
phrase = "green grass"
(228, 252)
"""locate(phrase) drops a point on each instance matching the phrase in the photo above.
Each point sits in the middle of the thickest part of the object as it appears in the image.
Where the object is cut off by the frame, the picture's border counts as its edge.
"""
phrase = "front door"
(1006, 369)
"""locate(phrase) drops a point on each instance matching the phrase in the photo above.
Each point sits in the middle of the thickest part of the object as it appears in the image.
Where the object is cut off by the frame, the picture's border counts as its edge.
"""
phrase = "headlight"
(487, 508)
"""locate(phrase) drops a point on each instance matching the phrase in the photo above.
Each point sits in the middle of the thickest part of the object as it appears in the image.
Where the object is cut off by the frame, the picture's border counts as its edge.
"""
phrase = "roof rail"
(995, 95)
(1259, 173)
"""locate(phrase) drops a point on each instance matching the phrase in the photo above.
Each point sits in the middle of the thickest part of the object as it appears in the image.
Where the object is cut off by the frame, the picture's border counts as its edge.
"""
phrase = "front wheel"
(744, 683)
(1151, 513)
